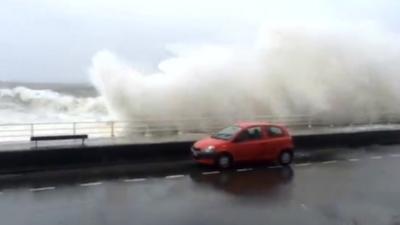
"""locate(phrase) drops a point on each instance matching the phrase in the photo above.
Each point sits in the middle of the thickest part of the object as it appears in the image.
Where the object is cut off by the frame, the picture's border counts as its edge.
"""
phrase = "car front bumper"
(200, 155)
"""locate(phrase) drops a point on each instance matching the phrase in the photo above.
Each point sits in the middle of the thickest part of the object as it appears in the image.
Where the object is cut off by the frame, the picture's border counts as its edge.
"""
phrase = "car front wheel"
(224, 161)
(285, 158)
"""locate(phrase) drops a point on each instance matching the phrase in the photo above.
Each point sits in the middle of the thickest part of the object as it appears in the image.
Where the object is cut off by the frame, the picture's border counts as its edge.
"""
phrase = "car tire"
(285, 158)
(224, 161)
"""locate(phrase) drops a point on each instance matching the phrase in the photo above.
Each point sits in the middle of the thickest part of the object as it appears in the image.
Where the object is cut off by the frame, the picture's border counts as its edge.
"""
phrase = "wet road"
(349, 186)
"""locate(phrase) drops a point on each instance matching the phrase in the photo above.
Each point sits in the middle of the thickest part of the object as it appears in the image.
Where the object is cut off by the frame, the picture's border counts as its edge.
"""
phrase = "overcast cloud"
(53, 41)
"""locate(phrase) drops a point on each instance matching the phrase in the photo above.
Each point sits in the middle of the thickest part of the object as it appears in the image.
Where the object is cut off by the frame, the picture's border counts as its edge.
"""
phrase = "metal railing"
(112, 129)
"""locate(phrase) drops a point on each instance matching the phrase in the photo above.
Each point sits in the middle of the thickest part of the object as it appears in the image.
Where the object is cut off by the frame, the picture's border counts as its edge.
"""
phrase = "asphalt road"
(336, 186)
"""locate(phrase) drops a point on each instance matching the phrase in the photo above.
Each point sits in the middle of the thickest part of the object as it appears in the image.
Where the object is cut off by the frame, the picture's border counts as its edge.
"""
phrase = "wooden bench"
(83, 137)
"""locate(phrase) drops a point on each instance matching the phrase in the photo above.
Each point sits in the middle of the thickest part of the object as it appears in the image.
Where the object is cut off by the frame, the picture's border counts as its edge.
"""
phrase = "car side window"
(275, 132)
(250, 134)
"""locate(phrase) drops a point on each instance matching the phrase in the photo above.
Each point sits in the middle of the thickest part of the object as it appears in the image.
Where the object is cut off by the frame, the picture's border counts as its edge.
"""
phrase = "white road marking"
(244, 169)
(329, 162)
(90, 184)
(274, 167)
(211, 172)
(395, 155)
(175, 176)
(135, 180)
(42, 189)
(353, 160)
(302, 164)
(376, 157)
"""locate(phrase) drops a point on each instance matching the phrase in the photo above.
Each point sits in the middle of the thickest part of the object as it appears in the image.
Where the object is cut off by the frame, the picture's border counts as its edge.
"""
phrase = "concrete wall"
(45, 159)
(348, 139)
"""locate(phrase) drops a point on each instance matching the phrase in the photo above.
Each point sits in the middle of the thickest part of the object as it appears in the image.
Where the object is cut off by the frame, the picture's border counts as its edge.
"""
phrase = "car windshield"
(226, 133)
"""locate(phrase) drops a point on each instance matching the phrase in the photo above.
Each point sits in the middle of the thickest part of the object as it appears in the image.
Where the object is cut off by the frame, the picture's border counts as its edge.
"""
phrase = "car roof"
(255, 123)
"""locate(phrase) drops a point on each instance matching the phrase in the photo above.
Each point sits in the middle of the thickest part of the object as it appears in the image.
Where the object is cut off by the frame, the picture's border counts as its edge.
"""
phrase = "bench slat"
(58, 137)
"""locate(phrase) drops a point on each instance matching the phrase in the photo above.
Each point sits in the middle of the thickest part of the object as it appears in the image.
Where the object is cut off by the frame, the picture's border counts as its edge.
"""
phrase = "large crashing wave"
(346, 75)
(21, 104)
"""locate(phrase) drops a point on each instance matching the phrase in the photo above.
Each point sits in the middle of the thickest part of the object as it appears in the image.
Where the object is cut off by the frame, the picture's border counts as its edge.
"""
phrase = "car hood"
(204, 143)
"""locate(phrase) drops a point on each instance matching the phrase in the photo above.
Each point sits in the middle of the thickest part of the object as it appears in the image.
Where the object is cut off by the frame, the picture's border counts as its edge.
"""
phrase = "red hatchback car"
(247, 141)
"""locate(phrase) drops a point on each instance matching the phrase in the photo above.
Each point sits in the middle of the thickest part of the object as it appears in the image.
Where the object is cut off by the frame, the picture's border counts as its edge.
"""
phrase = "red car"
(247, 141)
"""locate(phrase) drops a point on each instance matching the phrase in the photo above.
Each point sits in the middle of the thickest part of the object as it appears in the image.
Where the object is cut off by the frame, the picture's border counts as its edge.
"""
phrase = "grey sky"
(53, 41)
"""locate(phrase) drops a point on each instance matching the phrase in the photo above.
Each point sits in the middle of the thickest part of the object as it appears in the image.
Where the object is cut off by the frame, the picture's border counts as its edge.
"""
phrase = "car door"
(274, 140)
(249, 144)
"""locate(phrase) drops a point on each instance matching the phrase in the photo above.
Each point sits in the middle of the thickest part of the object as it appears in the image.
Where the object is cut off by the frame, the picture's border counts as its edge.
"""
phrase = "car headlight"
(209, 149)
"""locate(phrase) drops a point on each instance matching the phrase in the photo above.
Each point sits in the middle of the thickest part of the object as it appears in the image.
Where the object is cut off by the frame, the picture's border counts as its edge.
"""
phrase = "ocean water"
(37, 103)
(334, 74)
(346, 75)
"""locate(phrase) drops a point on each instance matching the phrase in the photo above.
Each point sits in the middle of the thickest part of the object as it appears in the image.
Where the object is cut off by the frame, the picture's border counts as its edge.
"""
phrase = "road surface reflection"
(265, 183)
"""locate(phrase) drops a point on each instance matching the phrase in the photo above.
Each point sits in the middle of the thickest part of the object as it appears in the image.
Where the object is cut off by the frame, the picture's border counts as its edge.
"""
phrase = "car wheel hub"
(224, 161)
(285, 157)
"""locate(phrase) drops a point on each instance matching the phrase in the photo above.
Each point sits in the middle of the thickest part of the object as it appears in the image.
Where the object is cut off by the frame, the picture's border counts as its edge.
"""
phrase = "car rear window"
(275, 131)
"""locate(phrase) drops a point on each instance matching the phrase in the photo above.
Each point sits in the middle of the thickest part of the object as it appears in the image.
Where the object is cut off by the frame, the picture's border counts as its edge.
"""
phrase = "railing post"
(112, 129)
(309, 122)
(74, 128)
(32, 130)
(147, 131)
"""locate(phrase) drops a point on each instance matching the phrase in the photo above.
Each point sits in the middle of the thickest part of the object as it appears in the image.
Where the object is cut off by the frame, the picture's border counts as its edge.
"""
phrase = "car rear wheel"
(285, 158)
(224, 161)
